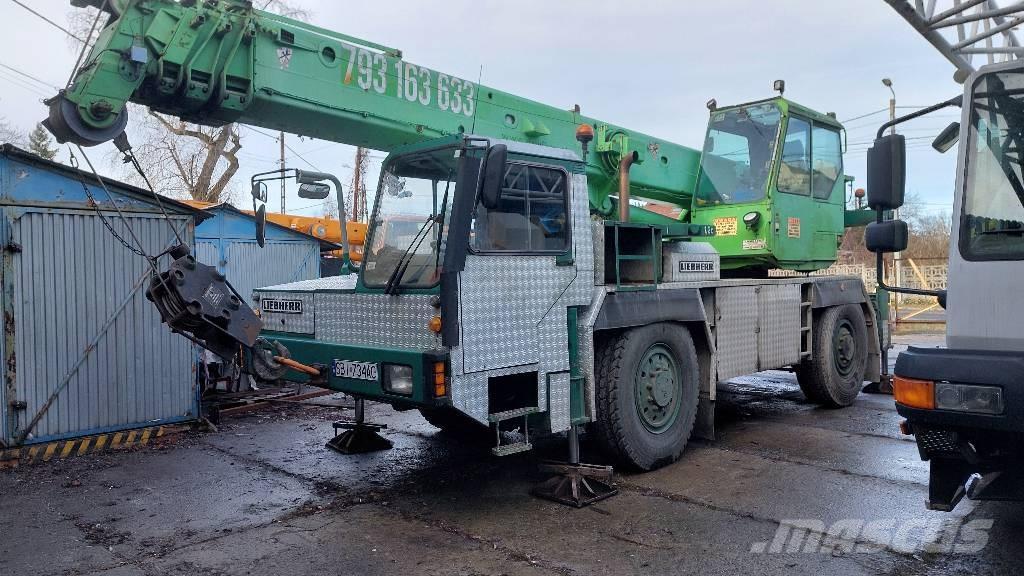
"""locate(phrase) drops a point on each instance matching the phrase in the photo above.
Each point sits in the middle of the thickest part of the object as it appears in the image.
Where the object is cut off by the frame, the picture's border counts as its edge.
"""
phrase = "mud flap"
(946, 481)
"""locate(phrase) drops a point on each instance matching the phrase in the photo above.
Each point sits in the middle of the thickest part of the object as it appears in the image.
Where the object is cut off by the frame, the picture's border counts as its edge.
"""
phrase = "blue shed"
(83, 351)
(227, 240)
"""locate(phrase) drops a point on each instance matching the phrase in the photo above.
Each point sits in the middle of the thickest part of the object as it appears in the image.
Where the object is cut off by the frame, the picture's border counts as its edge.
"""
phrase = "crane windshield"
(992, 219)
(407, 229)
(737, 157)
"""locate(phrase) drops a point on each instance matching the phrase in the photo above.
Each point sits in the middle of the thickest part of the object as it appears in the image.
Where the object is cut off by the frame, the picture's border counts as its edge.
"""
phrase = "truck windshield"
(738, 154)
(992, 219)
(406, 230)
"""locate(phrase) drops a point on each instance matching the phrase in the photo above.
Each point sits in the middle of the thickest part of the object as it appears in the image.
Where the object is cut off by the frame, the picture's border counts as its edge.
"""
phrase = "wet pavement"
(786, 488)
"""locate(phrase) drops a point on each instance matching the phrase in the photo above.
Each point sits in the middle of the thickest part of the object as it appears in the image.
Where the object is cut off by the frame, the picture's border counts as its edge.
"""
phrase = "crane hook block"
(195, 299)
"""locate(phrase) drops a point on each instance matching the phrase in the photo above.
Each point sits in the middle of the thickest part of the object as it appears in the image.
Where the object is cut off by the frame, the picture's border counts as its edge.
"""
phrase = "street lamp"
(892, 103)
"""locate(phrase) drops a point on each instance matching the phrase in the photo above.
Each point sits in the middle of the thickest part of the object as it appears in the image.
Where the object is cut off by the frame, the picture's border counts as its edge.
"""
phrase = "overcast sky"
(648, 65)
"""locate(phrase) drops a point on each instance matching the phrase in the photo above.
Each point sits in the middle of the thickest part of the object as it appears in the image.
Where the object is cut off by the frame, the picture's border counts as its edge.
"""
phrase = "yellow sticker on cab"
(725, 226)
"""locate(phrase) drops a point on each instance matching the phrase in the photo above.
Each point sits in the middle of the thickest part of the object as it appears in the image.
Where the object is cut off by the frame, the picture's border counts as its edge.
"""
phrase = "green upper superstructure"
(220, 61)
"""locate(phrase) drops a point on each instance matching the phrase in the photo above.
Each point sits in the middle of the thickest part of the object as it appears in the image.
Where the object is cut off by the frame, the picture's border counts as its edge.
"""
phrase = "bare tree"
(183, 159)
(10, 134)
(188, 160)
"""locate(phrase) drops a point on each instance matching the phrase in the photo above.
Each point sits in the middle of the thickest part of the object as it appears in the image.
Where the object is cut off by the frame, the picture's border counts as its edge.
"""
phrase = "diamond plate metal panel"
(558, 406)
(503, 300)
(304, 323)
(778, 341)
(736, 331)
(469, 391)
(376, 320)
(513, 314)
(328, 283)
(586, 337)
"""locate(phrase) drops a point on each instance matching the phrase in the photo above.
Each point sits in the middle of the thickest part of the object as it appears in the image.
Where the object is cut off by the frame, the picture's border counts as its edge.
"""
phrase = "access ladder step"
(510, 414)
(515, 448)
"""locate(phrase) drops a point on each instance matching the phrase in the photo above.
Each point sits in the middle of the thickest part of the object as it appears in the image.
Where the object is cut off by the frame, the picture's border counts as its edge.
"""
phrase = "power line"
(29, 76)
(50, 22)
(289, 148)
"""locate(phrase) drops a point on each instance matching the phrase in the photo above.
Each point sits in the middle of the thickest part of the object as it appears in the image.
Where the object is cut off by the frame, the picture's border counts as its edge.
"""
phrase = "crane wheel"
(834, 374)
(647, 394)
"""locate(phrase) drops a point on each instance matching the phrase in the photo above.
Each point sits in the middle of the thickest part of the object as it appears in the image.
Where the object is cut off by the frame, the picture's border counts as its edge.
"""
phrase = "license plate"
(357, 370)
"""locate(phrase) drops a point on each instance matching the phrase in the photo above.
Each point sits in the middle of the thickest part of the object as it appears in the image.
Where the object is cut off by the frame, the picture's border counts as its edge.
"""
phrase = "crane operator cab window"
(531, 215)
(795, 168)
(737, 156)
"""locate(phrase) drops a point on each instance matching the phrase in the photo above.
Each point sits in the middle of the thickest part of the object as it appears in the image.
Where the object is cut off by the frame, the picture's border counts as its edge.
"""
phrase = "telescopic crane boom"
(223, 61)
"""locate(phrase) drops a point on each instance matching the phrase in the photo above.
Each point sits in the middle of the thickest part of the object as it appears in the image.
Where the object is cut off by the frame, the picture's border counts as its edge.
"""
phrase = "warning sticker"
(759, 244)
(793, 227)
(725, 226)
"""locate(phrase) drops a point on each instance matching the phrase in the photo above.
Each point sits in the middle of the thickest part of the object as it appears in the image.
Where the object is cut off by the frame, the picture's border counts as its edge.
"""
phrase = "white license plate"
(357, 370)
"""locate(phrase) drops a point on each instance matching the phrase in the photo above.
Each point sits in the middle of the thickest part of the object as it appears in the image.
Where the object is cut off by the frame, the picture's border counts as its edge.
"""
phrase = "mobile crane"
(531, 292)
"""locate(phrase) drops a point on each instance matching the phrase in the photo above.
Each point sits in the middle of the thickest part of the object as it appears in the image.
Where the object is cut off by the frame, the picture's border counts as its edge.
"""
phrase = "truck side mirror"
(314, 191)
(493, 176)
(261, 225)
(883, 237)
(259, 191)
(887, 172)
(949, 136)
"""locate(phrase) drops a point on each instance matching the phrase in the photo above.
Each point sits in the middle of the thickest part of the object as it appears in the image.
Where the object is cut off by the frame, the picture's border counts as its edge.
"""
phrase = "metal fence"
(922, 274)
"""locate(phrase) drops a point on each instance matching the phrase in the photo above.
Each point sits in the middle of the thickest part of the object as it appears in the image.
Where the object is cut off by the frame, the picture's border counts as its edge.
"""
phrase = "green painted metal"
(577, 403)
(310, 351)
(220, 61)
(657, 389)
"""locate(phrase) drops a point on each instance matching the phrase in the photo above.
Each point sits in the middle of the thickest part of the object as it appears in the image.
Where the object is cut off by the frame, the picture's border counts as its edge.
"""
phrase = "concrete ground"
(263, 497)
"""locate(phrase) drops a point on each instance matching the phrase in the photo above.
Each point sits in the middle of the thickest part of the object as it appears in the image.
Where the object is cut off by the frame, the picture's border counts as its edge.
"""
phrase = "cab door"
(518, 266)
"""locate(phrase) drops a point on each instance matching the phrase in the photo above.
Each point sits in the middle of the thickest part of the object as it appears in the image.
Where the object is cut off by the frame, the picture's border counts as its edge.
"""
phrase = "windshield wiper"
(403, 262)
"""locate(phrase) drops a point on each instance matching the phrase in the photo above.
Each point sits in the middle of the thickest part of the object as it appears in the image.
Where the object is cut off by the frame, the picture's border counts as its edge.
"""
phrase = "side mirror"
(949, 136)
(883, 237)
(259, 191)
(887, 172)
(261, 225)
(493, 176)
(314, 191)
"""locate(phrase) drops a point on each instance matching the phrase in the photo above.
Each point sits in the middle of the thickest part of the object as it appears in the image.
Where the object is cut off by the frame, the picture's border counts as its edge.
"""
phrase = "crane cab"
(771, 183)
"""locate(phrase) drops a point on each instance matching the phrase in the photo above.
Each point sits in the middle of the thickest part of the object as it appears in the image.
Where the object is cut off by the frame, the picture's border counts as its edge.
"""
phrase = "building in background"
(84, 352)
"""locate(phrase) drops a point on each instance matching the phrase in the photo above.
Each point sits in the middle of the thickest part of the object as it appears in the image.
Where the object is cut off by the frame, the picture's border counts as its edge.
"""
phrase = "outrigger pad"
(576, 485)
(358, 438)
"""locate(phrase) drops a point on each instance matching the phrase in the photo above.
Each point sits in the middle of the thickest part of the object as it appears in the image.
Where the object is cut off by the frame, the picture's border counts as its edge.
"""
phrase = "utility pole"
(358, 187)
(280, 139)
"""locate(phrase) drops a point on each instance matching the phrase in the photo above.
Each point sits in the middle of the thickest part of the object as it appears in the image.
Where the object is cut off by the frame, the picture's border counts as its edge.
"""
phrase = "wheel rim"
(658, 389)
(844, 348)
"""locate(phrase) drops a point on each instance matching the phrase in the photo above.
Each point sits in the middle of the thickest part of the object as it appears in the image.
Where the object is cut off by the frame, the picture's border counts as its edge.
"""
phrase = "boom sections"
(219, 61)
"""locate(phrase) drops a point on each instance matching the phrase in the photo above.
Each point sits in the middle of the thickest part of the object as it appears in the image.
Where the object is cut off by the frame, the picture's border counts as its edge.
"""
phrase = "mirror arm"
(954, 101)
(880, 275)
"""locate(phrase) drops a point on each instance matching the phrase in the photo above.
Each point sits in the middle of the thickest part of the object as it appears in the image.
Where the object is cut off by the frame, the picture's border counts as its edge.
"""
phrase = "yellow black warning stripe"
(61, 449)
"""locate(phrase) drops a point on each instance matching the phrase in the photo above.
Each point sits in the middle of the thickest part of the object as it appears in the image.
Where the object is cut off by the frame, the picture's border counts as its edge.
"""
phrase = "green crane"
(770, 183)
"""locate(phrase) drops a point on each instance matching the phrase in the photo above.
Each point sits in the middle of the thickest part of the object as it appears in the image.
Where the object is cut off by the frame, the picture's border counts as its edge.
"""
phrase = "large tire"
(647, 393)
(452, 423)
(834, 374)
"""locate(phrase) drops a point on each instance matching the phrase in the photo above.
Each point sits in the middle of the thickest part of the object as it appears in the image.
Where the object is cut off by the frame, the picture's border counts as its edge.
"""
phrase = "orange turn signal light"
(914, 393)
(440, 380)
(435, 324)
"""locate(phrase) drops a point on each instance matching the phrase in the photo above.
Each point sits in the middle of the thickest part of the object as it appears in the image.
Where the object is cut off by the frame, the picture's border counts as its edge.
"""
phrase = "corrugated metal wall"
(247, 266)
(70, 277)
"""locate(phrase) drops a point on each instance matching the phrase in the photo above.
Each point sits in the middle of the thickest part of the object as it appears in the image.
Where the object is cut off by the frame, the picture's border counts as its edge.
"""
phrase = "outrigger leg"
(575, 484)
(358, 437)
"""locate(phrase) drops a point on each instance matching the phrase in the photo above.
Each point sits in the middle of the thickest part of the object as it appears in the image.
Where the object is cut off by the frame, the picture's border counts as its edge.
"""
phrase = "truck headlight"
(398, 379)
(968, 398)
